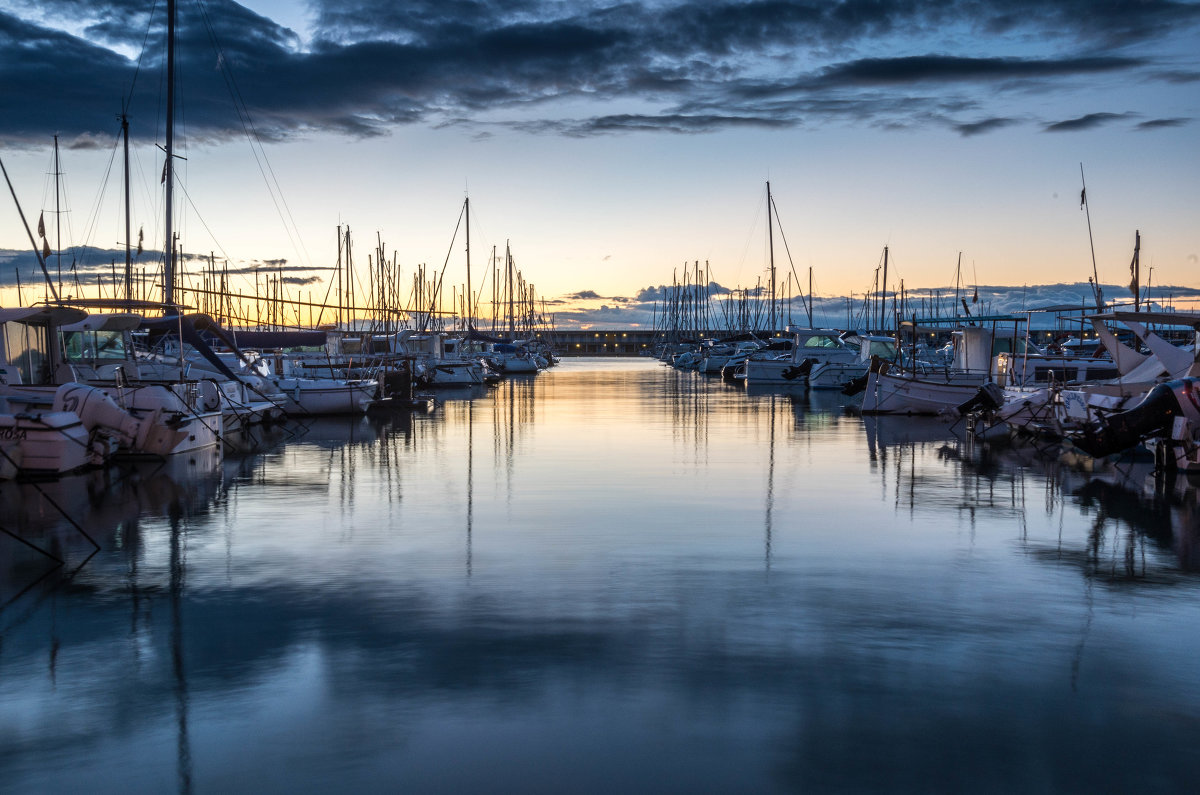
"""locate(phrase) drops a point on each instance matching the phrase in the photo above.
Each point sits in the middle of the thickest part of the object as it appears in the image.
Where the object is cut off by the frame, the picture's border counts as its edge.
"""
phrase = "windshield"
(90, 345)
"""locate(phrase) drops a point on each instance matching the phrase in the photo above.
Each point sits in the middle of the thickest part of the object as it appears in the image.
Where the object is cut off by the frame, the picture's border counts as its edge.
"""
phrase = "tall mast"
(810, 305)
(128, 253)
(1135, 270)
(168, 168)
(1096, 291)
(508, 264)
(883, 290)
(467, 207)
(57, 215)
(771, 249)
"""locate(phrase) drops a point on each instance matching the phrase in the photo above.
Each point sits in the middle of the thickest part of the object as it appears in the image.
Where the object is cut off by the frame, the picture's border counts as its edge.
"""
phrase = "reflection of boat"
(335, 431)
(63, 517)
(900, 431)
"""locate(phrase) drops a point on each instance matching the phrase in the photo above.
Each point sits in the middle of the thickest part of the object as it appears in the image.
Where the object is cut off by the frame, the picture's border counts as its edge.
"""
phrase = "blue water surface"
(609, 577)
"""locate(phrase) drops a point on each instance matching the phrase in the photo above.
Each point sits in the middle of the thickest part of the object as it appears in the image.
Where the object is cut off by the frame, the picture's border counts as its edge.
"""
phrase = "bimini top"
(123, 321)
(964, 320)
(58, 315)
(1161, 318)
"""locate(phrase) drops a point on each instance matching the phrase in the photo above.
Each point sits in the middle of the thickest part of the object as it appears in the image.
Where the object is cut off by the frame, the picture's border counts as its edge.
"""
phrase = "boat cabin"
(29, 349)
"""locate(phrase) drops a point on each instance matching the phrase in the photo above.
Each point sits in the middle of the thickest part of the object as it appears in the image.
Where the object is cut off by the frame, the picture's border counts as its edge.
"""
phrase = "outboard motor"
(857, 385)
(96, 410)
(799, 371)
(989, 398)
(1153, 416)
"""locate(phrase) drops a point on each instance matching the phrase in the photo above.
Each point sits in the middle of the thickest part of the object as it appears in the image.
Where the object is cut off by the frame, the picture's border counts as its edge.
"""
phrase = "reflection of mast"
(183, 748)
(470, 477)
(770, 486)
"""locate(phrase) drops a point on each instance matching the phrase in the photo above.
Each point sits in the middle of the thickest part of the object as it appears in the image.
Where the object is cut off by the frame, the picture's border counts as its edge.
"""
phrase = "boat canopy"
(260, 340)
(58, 315)
(1191, 319)
(122, 321)
(474, 335)
(188, 327)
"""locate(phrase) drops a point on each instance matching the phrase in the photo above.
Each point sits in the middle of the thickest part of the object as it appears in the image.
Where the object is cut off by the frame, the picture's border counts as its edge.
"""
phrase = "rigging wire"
(260, 155)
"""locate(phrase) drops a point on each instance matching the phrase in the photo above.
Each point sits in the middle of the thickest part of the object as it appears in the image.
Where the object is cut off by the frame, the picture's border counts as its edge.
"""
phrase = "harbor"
(611, 574)
(591, 397)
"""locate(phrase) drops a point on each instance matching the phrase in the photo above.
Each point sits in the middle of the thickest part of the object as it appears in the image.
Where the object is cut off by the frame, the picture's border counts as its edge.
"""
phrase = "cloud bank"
(365, 67)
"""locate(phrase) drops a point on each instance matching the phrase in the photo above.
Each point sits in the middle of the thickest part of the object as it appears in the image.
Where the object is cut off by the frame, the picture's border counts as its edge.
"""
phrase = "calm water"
(611, 578)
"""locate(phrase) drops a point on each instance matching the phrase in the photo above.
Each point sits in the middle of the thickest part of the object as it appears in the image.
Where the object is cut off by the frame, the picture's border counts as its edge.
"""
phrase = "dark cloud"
(87, 263)
(1158, 124)
(983, 126)
(1087, 122)
(940, 68)
(368, 66)
(585, 295)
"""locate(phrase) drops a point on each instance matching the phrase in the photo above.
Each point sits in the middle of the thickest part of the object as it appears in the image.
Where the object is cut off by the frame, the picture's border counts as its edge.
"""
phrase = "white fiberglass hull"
(774, 371)
(446, 373)
(835, 375)
(304, 397)
(43, 443)
(889, 393)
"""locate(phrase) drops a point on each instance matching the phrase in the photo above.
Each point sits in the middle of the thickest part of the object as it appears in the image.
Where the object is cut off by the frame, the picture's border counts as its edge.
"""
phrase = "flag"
(975, 298)
(140, 230)
(164, 174)
(45, 248)
(1082, 198)
(42, 225)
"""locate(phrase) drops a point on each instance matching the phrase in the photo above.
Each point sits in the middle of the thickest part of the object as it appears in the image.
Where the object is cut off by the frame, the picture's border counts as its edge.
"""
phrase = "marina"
(896, 491)
(613, 574)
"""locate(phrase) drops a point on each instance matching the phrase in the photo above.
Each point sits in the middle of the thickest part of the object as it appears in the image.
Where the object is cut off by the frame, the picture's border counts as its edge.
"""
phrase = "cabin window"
(884, 349)
(92, 345)
(26, 349)
(819, 342)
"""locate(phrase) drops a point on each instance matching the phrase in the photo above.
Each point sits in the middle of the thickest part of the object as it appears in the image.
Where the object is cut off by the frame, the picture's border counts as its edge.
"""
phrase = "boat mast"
(883, 291)
(508, 264)
(128, 252)
(1135, 268)
(168, 168)
(810, 305)
(57, 215)
(771, 250)
(1096, 291)
(467, 209)
(37, 251)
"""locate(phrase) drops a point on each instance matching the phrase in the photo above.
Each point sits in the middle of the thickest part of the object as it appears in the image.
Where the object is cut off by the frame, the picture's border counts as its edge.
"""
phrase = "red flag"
(45, 248)
(42, 225)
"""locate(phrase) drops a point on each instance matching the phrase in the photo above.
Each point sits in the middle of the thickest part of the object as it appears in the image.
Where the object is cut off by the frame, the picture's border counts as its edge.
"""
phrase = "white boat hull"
(889, 393)
(303, 397)
(43, 443)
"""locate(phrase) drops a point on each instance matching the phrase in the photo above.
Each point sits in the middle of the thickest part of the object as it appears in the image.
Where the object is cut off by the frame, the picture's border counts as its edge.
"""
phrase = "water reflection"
(613, 575)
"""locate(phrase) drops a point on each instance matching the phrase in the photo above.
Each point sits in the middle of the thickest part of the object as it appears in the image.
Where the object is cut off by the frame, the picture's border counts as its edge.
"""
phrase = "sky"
(609, 143)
